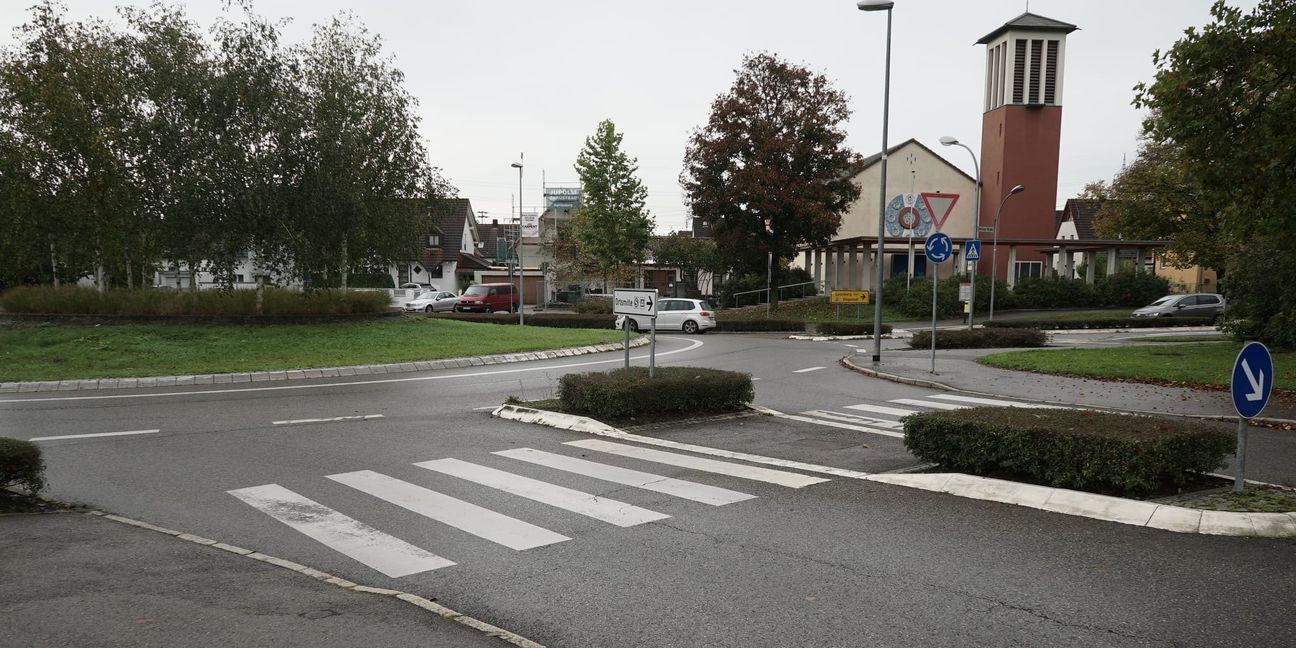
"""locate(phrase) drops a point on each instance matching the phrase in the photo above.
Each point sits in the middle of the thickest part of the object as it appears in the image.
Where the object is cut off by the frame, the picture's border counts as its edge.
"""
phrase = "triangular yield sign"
(939, 205)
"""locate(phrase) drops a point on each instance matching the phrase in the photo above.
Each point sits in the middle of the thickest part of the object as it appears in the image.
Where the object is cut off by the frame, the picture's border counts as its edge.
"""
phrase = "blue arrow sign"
(1252, 380)
(938, 248)
(972, 250)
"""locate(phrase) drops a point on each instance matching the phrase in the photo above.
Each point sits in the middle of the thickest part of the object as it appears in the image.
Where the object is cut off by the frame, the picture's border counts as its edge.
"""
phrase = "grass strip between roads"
(1179, 364)
(72, 352)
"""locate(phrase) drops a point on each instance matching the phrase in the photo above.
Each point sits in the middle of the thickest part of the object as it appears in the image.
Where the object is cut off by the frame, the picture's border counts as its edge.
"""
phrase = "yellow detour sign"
(849, 297)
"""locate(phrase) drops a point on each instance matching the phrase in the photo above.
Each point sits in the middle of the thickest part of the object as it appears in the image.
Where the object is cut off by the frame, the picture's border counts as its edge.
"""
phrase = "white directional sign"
(631, 301)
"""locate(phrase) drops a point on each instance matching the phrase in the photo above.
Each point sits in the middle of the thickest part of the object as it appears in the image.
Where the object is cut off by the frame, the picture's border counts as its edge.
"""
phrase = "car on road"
(432, 301)
(488, 298)
(1206, 306)
(688, 315)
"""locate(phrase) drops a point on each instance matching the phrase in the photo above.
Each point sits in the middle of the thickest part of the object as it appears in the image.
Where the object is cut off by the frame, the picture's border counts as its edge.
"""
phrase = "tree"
(1223, 97)
(770, 170)
(693, 256)
(612, 225)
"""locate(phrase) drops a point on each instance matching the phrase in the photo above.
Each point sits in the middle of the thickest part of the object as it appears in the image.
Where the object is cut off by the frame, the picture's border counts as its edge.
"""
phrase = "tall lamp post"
(976, 168)
(521, 266)
(994, 252)
(881, 5)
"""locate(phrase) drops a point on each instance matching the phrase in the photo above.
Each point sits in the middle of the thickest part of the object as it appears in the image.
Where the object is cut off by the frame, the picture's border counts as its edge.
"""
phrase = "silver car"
(1205, 306)
(688, 315)
(432, 301)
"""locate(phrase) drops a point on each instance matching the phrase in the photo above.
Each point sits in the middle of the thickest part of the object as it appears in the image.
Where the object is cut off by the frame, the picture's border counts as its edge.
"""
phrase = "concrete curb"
(413, 599)
(303, 374)
(1057, 500)
(835, 338)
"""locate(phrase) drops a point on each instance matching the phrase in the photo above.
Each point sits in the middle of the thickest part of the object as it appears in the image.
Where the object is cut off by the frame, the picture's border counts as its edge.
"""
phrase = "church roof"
(1031, 22)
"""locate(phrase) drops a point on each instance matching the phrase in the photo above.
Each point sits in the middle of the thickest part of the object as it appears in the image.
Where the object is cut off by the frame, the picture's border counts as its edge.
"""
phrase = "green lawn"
(66, 352)
(1179, 339)
(1209, 364)
(809, 310)
(1067, 316)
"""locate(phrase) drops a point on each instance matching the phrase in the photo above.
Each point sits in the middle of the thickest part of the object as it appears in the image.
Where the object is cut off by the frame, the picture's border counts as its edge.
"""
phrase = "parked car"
(688, 315)
(488, 298)
(432, 301)
(1195, 306)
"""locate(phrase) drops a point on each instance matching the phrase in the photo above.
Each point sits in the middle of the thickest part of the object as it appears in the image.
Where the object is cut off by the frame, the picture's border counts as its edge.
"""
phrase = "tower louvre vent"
(1037, 56)
(1050, 74)
(1019, 72)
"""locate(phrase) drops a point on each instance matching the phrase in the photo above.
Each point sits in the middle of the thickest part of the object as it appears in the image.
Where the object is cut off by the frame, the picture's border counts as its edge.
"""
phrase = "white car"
(688, 315)
(432, 301)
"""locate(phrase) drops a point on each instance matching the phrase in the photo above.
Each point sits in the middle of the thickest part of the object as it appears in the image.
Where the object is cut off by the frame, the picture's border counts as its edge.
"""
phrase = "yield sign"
(939, 205)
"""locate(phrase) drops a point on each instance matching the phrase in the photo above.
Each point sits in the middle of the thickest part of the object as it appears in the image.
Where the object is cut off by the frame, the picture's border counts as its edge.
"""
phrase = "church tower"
(1021, 130)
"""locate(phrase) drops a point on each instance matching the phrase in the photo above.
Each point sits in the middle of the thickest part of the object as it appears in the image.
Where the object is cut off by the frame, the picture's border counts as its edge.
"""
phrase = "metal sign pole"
(1241, 455)
(625, 324)
(652, 348)
(972, 301)
(935, 280)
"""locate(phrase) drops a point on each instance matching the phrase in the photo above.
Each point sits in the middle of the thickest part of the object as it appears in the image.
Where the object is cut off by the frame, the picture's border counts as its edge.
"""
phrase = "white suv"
(688, 315)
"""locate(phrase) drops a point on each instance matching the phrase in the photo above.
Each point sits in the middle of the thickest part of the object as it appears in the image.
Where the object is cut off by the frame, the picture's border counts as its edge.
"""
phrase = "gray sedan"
(1208, 306)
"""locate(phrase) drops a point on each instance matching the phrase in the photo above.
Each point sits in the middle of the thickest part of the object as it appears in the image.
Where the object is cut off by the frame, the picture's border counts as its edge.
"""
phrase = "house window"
(435, 272)
(434, 240)
(403, 275)
(1028, 269)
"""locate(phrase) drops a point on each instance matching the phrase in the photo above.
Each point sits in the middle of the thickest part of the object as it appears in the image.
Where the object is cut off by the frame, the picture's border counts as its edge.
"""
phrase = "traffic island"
(630, 396)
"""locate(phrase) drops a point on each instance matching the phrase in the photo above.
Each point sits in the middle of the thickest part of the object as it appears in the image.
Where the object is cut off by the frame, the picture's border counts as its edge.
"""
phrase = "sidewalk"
(958, 369)
(72, 579)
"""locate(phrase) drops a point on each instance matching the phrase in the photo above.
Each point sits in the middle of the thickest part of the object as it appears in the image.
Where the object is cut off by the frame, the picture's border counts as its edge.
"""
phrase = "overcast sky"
(506, 76)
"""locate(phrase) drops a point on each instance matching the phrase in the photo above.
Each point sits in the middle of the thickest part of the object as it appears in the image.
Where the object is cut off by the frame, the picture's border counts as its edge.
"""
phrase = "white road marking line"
(852, 418)
(992, 401)
(780, 477)
(487, 408)
(599, 508)
(807, 370)
(844, 426)
(713, 495)
(882, 409)
(92, 436)
(481, 522)
(693, 344)
(928, 404)
(347, 536)
(366, 417)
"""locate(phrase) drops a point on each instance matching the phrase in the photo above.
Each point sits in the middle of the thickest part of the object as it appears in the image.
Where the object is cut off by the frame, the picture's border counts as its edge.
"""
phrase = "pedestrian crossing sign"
(972, 250)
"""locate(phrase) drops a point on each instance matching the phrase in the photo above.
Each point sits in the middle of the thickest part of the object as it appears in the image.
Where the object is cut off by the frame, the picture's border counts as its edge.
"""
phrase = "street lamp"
(994, 253)
(881, 5)
(976, 168)
(521, 265)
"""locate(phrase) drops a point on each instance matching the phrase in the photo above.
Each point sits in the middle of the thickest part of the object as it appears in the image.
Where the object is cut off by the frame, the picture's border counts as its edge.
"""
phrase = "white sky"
(498, 77)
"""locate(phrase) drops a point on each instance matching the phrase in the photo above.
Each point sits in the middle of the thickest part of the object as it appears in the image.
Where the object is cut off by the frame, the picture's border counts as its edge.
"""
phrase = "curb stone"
(304, 374)
(1165, 517)
(413, 599)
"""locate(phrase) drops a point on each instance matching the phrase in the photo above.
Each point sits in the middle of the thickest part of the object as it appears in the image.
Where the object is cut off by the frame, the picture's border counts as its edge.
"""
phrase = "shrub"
(1070, 448)
(980, 339)
(552, 320)
(21, 465)
(1151, 322)
(625, 393)
(594, 306)
(848, 328)
(759, 325)
(72, 300)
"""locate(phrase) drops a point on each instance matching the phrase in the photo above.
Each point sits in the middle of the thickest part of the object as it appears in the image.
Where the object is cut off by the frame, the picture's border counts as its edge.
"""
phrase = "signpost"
(633, 301)
(972, 252)
(857, 297)
(938, 248)
(1253, 381)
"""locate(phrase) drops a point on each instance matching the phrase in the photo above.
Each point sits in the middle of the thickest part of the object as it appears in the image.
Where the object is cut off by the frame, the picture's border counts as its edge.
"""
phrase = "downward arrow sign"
(1257, 386)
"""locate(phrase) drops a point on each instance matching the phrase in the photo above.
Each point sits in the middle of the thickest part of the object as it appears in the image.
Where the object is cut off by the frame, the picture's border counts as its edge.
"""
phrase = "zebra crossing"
(395, 557)
(885, 420)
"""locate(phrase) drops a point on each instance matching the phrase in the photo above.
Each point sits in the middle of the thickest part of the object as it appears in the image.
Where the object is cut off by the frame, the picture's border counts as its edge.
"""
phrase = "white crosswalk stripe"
(882, 409)
(928, 404)
(347, 536)
(990, 401)
(853, 418)
(769, 475)
(677, 487)
(481, 522)
(599, 508)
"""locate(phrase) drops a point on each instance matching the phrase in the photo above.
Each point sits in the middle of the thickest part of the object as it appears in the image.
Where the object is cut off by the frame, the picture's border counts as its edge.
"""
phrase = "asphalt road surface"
(416, 487)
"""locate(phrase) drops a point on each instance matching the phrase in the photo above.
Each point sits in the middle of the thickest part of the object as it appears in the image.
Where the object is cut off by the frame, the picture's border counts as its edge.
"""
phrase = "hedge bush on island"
(628, 393)
(21, 466)
(980, 339)
(1070, 448)
(73, 300)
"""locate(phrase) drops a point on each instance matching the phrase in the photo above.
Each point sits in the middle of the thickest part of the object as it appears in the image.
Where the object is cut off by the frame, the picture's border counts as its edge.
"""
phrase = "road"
(709, 559)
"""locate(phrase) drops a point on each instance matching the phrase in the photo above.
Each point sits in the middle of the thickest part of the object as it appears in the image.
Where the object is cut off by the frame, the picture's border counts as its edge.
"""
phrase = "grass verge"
(1206, 365)
(1172, 339)
(73, 352)
(808, 310)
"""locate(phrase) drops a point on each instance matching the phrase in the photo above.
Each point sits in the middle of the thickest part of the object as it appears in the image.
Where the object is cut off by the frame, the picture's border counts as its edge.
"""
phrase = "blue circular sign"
(1253, 380)
(938, 248)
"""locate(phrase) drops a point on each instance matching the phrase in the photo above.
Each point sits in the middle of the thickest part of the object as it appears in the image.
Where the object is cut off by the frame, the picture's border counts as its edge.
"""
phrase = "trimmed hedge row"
(21, 465)
(552, 320)
(1070, 448)
(980, 339)
(849, 328)
(73, 300)
(623, 393)
(759, 325)
(1151, 322)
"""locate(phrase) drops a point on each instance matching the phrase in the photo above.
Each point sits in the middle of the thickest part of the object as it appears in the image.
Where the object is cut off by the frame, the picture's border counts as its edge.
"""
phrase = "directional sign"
(938, 248)
(985, 229)
(1252, 380)
(848, 297)
(939, 205)
(972, 250)
(634, 302)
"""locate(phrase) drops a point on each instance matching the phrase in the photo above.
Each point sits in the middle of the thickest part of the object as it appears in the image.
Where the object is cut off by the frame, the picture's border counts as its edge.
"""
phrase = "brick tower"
(1021, 131)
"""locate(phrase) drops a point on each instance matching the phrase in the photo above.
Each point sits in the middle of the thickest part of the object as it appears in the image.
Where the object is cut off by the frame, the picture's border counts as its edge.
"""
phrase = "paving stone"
(1226, 523)
(67, 385)
(205, 379)
(314, 373)
(1176, 518)
(1274, 525)
(184, 380)
(224, 379)
(278, 375)
(1101, 507)
(88, 384)
(346, 371)
(296, 374)
(9, 387)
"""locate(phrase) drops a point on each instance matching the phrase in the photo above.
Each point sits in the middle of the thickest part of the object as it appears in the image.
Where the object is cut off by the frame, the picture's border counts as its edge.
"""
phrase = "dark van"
(488, 298)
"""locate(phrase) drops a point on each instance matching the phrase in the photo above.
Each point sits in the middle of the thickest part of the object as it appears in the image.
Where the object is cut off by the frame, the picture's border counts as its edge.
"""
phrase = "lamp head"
(875, 5)
(516, 165)
(1016, 190)
(948, 141)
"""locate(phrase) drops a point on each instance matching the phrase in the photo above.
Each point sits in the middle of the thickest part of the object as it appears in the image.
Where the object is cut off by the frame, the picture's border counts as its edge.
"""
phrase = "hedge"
(21, 465)
(759, 325)
(1151, 322)
(849, 328)
(1070, 448)
(73, 300)
(552, 320)
(980, 339)
(1126, 288)
(625, 393)
(594, 306)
